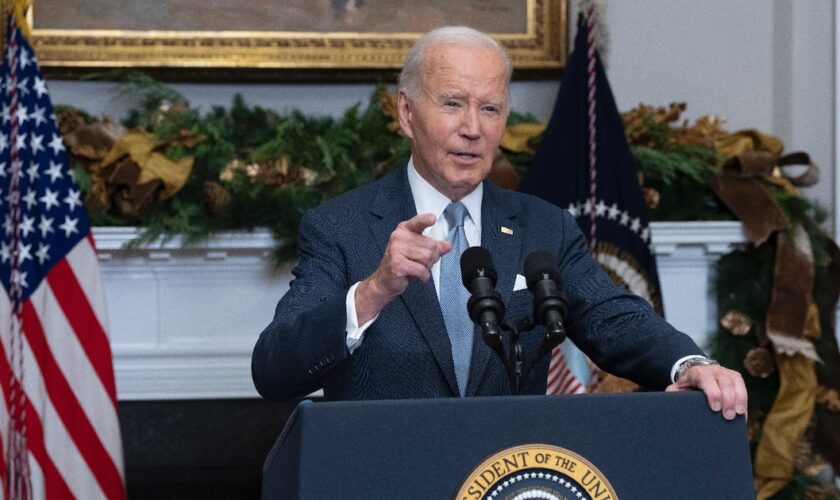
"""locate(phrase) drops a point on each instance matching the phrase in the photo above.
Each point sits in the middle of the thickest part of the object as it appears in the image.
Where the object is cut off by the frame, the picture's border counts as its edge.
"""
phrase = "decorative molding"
(714, 237)
(541, 45)
(120, 238)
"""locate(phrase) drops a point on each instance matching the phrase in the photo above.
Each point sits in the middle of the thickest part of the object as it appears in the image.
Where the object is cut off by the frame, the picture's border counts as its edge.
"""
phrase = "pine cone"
(69, 120)
(94, 141)
(736, 322)
(651, 197)
(216, 197)
(759, 362)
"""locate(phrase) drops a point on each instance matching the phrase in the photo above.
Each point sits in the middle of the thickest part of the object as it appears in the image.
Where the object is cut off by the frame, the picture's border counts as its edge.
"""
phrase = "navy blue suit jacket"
(406, 352)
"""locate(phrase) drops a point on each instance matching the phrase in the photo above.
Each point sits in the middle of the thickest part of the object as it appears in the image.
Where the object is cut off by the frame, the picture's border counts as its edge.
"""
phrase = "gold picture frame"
(539, 50)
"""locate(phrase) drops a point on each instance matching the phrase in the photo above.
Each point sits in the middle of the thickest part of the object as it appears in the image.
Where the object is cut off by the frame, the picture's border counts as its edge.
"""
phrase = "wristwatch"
(695, 361)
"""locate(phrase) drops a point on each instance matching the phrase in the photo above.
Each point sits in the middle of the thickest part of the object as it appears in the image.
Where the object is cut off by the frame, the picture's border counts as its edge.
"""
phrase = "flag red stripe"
(69, 410)
(558, 360)
(548, 388)
(553, 376)
(569, 379)
(562, 384)
(559, 370)
(560, 374)
(56, 487)
(54, 484)
(83, 319)
(570, 382)
(4, 386)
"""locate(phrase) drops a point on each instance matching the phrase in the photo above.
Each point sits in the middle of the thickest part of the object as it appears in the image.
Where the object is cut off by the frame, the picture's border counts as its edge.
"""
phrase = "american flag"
(58, 421)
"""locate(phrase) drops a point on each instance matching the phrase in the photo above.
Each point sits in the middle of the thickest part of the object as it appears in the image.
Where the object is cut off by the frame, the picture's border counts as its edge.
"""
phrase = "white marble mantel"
(183, 319)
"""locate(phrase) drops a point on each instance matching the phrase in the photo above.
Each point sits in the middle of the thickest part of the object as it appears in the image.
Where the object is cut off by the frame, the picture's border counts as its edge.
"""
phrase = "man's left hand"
(724, 388)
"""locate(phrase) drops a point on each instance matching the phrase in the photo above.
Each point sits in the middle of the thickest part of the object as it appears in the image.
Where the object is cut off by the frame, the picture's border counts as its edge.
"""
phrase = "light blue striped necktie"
(454, 296)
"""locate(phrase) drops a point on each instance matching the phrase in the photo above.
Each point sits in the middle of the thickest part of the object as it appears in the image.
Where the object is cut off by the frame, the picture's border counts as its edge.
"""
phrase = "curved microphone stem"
(517, 367)
(556, 334)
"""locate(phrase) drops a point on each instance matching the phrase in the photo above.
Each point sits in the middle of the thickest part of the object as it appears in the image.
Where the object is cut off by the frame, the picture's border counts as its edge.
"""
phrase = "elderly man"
(377, 309)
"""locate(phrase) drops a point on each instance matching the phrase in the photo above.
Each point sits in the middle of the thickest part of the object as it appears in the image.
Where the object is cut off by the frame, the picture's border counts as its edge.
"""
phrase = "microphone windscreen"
(477, 262)
(538, 264)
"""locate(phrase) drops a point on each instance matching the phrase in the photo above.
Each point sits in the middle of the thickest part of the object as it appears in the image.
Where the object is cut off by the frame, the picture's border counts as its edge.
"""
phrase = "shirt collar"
(427, 199)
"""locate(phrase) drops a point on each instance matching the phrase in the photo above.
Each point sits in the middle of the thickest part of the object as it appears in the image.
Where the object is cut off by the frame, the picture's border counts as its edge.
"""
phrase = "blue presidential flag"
(584, 165)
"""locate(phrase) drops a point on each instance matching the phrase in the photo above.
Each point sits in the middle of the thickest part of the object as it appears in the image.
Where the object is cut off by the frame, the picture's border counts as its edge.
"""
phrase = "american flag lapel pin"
(507, 230)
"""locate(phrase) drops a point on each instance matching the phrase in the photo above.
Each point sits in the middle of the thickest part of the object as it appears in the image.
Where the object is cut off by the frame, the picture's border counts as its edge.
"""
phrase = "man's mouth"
(466, 155)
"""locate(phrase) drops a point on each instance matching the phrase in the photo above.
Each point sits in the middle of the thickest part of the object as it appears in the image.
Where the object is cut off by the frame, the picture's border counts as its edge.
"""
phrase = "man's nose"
(470, 126)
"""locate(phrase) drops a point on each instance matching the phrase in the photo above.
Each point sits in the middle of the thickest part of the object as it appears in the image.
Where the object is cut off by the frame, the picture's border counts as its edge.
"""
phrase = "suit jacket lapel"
(505, 247)
(393, 205)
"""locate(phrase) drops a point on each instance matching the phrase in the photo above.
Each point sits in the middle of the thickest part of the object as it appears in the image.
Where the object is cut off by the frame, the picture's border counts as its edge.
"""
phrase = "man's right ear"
(404, 110)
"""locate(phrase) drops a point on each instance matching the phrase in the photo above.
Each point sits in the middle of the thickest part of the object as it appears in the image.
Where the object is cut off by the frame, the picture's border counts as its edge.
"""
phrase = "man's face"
(456, 121)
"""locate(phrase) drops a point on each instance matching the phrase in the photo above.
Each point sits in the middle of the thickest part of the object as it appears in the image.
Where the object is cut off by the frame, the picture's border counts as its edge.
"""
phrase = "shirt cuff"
(355, 333)
(681, 361)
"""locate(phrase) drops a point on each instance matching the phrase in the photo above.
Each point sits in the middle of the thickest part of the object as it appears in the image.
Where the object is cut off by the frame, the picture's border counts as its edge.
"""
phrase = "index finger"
(419, 222)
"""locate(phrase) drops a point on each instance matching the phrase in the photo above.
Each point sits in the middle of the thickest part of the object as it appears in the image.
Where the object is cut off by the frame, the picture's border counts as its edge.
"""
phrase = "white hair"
(462, 36)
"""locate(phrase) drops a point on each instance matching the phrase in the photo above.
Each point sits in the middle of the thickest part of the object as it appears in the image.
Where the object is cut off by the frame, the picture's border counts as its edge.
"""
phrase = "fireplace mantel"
(184, 318)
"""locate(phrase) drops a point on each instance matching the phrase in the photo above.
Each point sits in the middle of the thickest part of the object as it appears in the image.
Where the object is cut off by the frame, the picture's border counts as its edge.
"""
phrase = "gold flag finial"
(21, 7)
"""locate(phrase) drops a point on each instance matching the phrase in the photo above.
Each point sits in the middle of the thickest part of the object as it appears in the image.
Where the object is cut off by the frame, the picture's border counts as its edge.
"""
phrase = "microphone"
(485, 306)
(550, 305)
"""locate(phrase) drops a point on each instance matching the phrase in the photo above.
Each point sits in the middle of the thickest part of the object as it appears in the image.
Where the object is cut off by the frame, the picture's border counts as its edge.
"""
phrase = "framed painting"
(291, 39)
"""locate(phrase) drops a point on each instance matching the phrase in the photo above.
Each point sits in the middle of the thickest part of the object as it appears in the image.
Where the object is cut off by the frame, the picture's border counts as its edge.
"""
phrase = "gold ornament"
(759, 362)
(828, 397)
(736, 323)
(705, 132)
(275, 172)
(641, 123)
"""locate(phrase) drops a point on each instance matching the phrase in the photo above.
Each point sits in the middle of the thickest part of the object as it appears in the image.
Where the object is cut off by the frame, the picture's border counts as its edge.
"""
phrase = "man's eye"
(451, 103)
